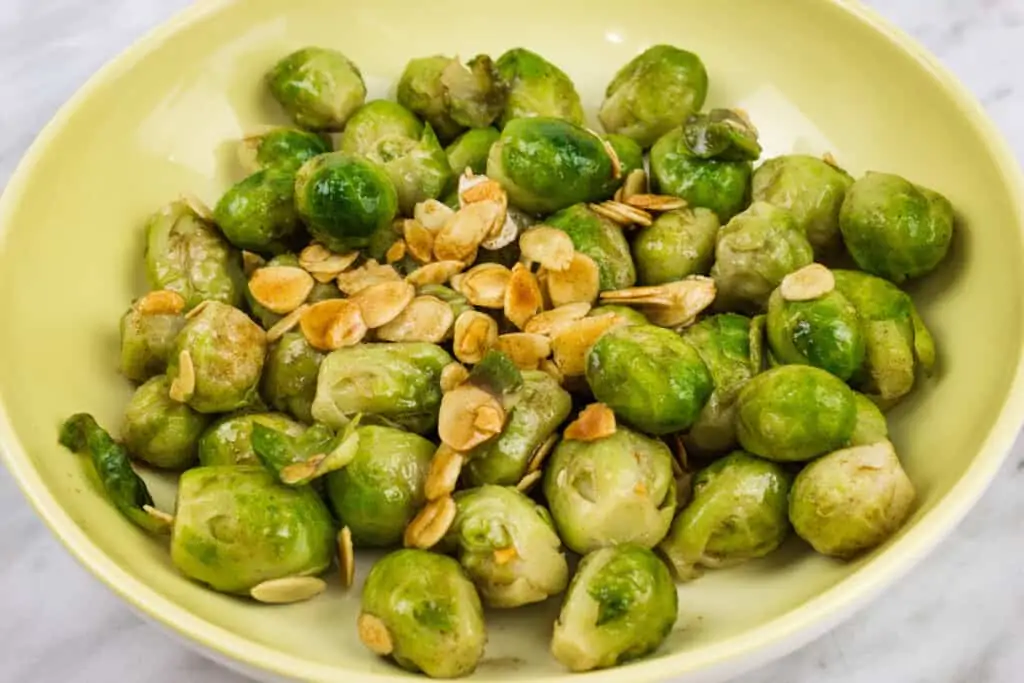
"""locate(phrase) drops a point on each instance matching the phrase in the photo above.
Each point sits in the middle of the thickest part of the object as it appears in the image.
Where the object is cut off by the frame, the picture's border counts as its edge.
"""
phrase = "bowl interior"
(814, 76)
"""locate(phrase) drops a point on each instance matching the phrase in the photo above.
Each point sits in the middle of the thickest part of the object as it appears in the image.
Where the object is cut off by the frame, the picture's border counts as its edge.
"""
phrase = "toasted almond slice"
(656, 202)
(425, 319)
(184, 384)
(428, 527)
(433, 215)
(418, 240)
(452, 375)
(314, 253)
(346, 557)
(809, 283)
(550, 322)
(504, 237)
(331, 267)
(614, 156)
(281, 289)
(503, 556)
(526, 350)
(371, 273)
(436, 273)
(623, 214)
(382, 303)
(460, 238)
(523, 298)
(675, 304)
(475, 333)
(159, 516)
(333, 324)
(618, 196)
(469, 416)
(286, 324)
(596, 421)
(579, 283)
(375, 635)
(288, 590)
(302, 471)
(549, 366)
(251, 262)
(198, 206)
(636, 183)
(396, 252)
(161, 302)
(542, 453)
(529, 481)
(829, 159)
(571, 344)
(480, 188)
(199, 308)
(484, 285)
(550, 247)
(443, 475)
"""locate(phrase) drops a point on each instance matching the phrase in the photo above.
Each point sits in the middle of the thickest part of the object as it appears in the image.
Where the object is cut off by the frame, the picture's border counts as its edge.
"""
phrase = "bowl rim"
(732, 656)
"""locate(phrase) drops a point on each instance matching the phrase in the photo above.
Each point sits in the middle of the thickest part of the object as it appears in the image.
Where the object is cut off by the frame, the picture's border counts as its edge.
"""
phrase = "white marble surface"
(952, 620)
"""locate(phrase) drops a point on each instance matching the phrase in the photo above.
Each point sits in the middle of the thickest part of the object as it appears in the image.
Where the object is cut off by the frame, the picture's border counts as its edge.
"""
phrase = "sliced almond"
(375, 635)
(159, 516)
(428, 527)
(418, 240)
(504, 237)
(528, 481)
(829, 159)
(288, 590)
(281, 289)
(503, 556)
(523, 298)
(302, 471)
(323, 264)
(443, 475)
(199, 308)
(333, 324)
(484, 285)
(570, 346)
(198, 206)
(622, 214)
(610, 151)
(526, 350)
(551, 368)
(675, 304)
(452, 375)
(396, 252)
(480, 188)
(550, 247)
(550, 322)
(460, 238)
(636, 183)
(161, 302)
(469, 416)
(251, 262)
(433, 215)
(425, 319)
(382, 303)
(184, 384)
(371, 273)
(475, 334)
(655, 202)
(286, 324)
(809, 283)
(579, 283)
(314, 253)
(436, 273)
(346, 557)
(596, 421)
(542, 453)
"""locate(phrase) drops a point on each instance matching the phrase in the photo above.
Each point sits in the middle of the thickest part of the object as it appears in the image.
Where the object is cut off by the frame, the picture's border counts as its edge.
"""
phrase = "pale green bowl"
(816, 76)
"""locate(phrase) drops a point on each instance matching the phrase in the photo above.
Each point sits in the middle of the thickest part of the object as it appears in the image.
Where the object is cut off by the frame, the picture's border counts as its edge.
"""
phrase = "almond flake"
(596, 421)
(431, 524)
(333, 324)
(425, 319)
(382, 303)
(346, 557)
(375, 635)
(484, 285)
(460, 238)
(281, 289)
(550, 247)
(371, 273)
(550, 322)
(418, 240)
(526, 350)
(286, 324)
(529, 481)
(807, 284)
(571, 344)
(183, 386)
(396, 252)
(452, 375)
(433, 215)
(288, 590)
(579, 283)
(161, 302)
(469, 416)
(656, 202)
(523, 298)
(622, 214)
(436, 273)
(475, 334)
(636, 183)
(443, 475)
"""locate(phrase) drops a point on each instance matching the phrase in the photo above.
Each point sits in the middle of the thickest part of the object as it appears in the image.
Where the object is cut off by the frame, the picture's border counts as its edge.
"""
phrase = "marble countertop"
(951, 620)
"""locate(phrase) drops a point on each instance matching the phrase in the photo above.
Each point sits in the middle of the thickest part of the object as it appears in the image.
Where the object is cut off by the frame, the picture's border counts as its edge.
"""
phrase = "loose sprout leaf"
(721, 134)
(496, 373)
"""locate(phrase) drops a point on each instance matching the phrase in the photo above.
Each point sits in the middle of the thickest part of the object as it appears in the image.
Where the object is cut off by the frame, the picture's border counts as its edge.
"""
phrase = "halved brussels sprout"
(470, 150)
(259, 213)
(680, 243)
(282, 147)
(290, 374)
(146, 342)
(602, 240)
(318, 87)
(159, 431)
(537, 88)
(228, 441)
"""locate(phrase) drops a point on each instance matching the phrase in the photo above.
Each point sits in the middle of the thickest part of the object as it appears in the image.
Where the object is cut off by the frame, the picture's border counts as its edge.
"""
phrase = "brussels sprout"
(185, 254)
(716, 184)
(679, 244)
(738, 512)
(259, 213)
(379, 492)
(225, 349)
(283, 148)
(290, 374)
(420, 609)
(851, 500)
(650, 377)
(795, 413)
(654, 93)
(146, 342)
(619, 489)
(470, 150)
(236, 527)
(399, 382)
(547, 164)
(390, 135)
(160, 431)
(602, 240)
(754, 252)
(631, 158)
(540, 407)
(319, 88)
(871, 426)
(625, 314)
(721, 134)
(823, 332)
(344, 200)
(812, 190)
(895, 229)
(621, 605)
(723, 343)
(508, 546)
(228, 441)
(537, 88)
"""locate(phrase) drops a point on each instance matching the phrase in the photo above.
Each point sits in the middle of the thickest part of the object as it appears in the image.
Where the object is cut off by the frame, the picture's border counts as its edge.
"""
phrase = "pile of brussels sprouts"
(409, 314)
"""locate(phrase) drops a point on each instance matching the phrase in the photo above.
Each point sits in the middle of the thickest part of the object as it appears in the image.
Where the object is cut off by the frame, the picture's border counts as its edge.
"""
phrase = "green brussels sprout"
(723, 343)
(679, 244)
(237, 526)
(851, 500)
(187, 255)
(470, 150)
(290, 375)
(755, 250)
(344, 200)
(379, 492)
(721, 134)
(299, 460)
(738, 512)
(631, 158)
(259, 213)
(539, 408)
(795, 413)
(650, 377)
(547, 164)
(602, 240)
(871, 426)
(895, 229)
(758, 327)
(267, 318)
(508, 547)
(625, 314)
(654, 93)
(420, 609)
(146, 342)
(717, 184)
(281, 147)
(228, 441)
(619, 489)
(621, 605)
(391, 136)
(399, 382)
(812, 190)
(537, 88)
(160, 431)
(226, 350)
(319, 88)
(823, 332)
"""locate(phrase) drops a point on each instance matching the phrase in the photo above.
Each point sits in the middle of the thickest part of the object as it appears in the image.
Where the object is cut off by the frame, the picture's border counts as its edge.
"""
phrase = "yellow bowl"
(816, 76)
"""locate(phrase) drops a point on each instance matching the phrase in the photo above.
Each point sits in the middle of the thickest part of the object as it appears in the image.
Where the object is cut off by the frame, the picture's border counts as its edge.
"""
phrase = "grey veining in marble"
(954, 619)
